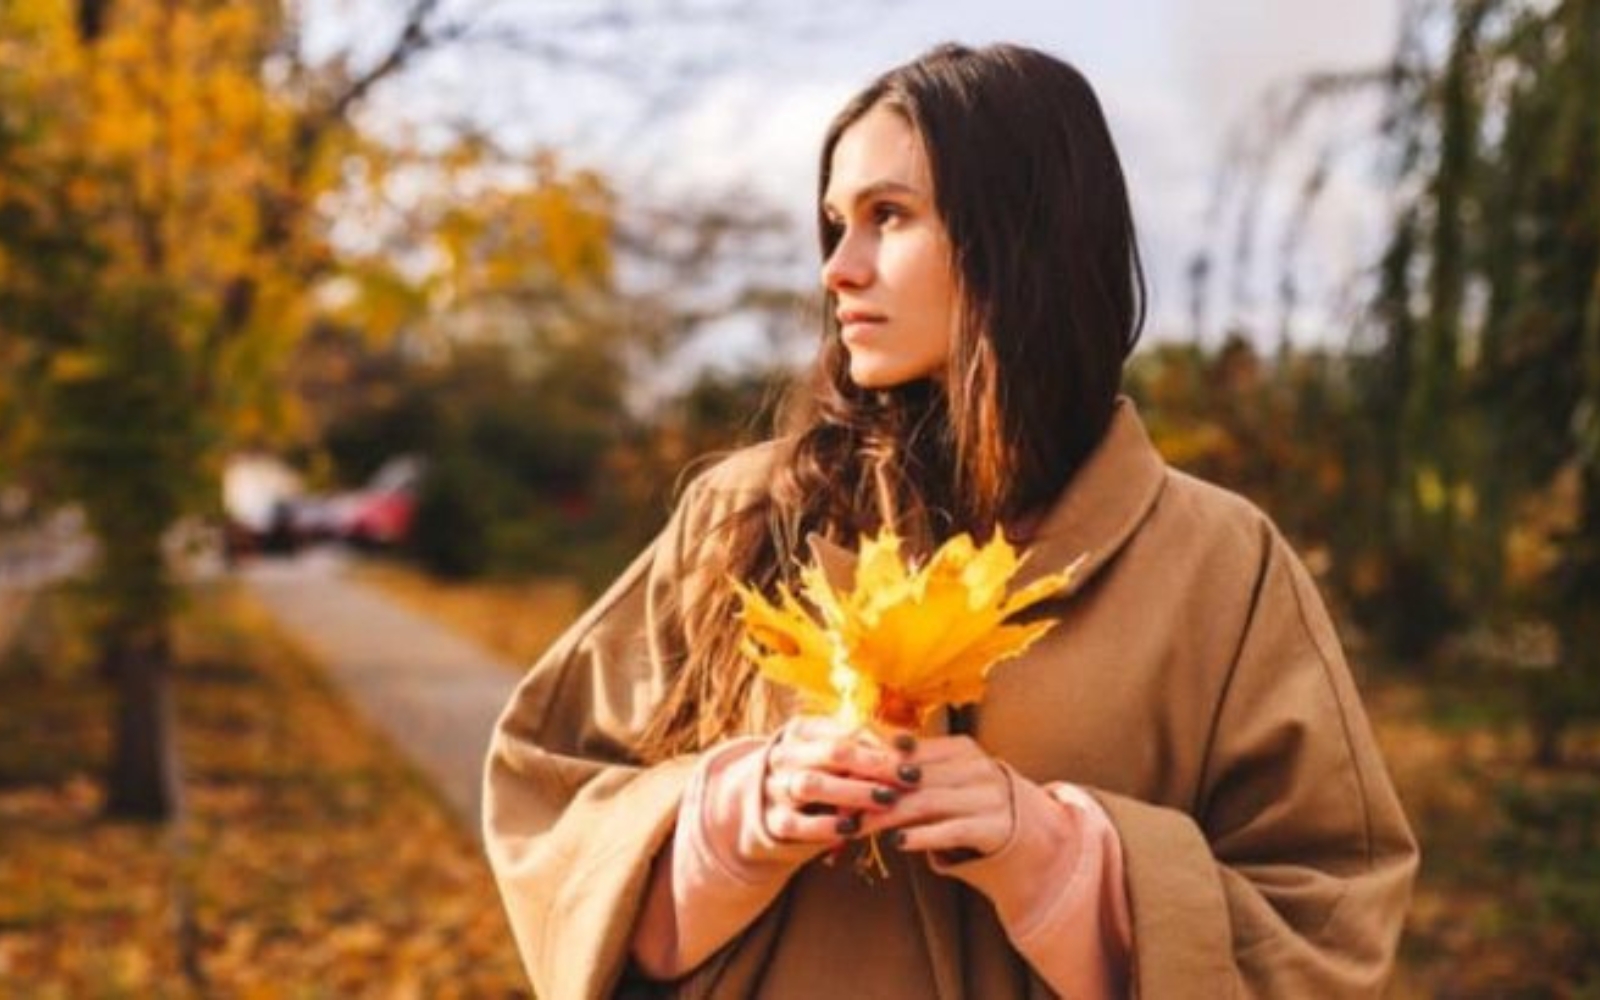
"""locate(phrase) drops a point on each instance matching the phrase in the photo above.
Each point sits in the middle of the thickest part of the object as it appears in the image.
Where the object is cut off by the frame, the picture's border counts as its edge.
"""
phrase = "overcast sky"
(1177, 78)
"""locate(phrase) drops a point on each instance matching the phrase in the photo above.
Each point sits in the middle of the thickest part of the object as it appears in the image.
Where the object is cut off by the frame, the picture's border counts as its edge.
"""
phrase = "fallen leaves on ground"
(1481, 922)
(309, 860)
(515, 619)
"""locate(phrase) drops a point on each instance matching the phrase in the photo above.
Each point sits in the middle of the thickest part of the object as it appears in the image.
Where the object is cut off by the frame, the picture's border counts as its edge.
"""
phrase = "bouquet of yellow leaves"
(904, 641)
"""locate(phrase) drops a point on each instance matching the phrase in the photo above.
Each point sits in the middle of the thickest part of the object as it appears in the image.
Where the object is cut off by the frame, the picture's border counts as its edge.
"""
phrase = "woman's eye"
(885, 213)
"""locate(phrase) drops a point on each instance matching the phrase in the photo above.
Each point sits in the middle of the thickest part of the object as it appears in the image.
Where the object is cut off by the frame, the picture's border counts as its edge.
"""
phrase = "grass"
(514, 619)
(309, 861)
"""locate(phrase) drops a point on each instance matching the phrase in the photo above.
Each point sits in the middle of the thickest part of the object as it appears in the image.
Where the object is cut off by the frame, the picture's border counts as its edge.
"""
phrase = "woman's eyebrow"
(874, 190)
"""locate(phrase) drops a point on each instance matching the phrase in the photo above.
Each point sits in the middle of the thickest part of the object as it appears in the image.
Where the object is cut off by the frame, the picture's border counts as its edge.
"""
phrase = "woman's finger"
(945, 819)
(813, 744)
(978, 833)
(937, 749)
(929, 805)
(790, 825)
(963, 801)
(801, 788)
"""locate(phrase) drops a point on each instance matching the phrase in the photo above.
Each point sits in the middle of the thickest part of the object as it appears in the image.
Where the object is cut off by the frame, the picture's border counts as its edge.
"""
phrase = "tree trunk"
(1549, 745)
(92, 16)
(141, 778)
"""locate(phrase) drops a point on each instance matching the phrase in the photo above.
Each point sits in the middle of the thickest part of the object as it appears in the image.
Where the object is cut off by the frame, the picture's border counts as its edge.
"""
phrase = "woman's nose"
(849, 266)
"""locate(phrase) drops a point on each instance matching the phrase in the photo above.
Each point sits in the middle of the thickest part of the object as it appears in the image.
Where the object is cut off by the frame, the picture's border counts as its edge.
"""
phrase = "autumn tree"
(1489, 310)
(159, 238)
(172, 173)
(1474, 375)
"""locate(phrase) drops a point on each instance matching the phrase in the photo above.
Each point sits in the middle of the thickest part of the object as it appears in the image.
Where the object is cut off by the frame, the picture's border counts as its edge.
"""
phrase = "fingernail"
(905, 742)
(848, 826)
(909, 773)
(884, 796)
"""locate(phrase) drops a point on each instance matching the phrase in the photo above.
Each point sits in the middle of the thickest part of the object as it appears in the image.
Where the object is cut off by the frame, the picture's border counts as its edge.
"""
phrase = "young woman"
(1175, 793)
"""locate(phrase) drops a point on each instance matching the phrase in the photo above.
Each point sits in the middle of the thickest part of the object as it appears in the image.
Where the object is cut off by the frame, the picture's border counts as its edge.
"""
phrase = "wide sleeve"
(572, 823)
(1292, 874)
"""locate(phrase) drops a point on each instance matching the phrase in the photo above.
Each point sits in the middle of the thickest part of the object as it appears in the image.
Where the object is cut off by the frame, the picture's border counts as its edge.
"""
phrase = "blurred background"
(430, 302)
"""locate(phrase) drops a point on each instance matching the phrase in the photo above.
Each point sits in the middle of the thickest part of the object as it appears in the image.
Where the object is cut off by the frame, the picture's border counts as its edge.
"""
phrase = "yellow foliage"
(1190, 443)
(901, 642)
(76, 366)
(163, 137)
(1534, 542)
(1432, 492)
(166, 141)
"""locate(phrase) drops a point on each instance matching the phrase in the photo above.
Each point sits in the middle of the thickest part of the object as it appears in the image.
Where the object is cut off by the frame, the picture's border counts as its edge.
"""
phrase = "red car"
(380, 513)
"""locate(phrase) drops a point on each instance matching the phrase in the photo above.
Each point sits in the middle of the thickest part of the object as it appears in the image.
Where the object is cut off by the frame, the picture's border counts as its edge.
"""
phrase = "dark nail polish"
(905, 742)
(909, 773)
(885, 796)
(848, 826)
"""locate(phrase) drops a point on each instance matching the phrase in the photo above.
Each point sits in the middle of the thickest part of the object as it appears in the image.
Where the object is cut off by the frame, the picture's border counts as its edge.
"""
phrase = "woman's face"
(891, 272)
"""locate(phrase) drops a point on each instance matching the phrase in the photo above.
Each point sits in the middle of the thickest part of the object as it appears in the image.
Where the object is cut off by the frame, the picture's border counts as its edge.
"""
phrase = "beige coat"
(1195, 685)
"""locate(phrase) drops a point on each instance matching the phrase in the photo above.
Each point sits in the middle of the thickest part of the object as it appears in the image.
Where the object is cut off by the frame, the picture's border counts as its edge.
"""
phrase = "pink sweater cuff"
(1057, 887)
(720, 828)
(724, 867)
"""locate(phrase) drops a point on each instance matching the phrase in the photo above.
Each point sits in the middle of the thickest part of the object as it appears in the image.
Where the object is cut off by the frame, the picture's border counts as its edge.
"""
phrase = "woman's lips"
(853, 323)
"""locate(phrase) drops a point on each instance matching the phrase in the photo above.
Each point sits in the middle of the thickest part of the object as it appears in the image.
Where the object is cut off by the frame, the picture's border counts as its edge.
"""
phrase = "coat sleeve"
(1292, 874)
(571, 821)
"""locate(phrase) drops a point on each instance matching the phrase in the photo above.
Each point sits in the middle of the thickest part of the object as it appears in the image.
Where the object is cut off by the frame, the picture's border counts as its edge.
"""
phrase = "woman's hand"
(826, 781)
(960, 806)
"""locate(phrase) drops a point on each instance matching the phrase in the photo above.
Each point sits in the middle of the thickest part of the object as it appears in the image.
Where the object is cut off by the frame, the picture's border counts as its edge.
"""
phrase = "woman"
(1175, 793)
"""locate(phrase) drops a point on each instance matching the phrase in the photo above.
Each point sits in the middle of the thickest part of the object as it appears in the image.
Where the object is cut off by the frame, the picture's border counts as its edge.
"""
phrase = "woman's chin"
(869, 375)
(870, 380)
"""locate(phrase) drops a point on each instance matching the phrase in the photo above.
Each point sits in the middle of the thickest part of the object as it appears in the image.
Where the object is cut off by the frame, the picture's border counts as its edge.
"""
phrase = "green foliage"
(1234, 417)
(359, 442)
(1549, 846)
(1486, 371)
(538, 465)
(1465, 411)
(520, 450)
(1462, 526)
(450, 534)
(122, 436)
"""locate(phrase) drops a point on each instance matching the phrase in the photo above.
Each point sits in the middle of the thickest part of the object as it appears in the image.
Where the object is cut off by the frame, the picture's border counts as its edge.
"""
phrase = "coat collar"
(1098, 511)
(1103, 504)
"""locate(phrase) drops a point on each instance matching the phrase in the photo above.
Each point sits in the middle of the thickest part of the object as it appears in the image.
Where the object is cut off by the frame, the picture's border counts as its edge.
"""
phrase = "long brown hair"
(1029, 187)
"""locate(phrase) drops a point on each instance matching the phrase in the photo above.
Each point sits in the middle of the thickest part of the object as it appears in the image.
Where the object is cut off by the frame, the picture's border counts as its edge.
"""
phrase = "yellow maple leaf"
(788, 646)
(903, 641)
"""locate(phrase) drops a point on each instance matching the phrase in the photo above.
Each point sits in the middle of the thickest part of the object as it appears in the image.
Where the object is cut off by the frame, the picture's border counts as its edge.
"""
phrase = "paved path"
(34, 557)
(433, 693)
(43, 553)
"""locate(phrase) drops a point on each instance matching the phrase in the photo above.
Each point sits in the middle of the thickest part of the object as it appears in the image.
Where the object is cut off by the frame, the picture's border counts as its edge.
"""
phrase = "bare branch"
(414, 37)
